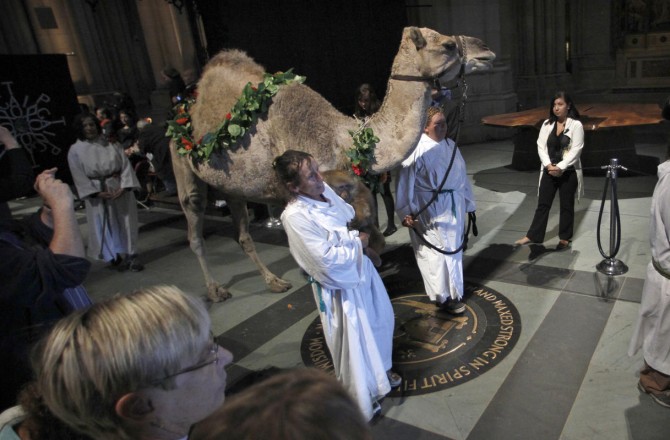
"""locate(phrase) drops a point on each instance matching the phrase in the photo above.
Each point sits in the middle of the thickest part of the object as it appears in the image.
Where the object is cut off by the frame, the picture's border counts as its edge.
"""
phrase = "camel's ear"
(417, 38)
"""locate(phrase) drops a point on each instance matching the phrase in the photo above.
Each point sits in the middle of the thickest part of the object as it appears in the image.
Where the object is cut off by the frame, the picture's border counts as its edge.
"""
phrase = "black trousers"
(566, 185)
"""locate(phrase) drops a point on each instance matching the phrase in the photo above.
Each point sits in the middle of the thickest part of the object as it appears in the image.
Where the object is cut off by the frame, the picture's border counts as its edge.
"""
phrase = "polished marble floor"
(568, 375)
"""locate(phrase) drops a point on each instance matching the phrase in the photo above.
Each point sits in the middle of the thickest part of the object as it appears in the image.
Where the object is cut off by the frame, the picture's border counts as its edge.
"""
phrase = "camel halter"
(435, 80)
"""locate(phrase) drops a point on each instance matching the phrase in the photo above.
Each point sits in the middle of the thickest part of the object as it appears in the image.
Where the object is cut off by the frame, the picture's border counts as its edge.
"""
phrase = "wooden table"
(608, 132)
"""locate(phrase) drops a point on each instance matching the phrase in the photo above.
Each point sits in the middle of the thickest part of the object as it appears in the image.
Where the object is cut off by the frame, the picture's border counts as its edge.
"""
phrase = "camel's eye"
(450, 46)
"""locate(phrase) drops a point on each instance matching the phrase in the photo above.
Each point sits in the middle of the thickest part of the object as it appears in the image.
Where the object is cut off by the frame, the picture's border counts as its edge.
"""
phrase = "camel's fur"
(301, 119)
(353, 191)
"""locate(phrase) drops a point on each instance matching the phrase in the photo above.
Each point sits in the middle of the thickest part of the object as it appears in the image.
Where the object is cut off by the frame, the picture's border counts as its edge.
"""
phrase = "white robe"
(354, 306)
(421, 173)
(91, 164)
(652, 332)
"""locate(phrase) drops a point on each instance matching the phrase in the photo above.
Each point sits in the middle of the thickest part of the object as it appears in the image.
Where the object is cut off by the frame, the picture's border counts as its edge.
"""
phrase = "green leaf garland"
(255, 100)
(362, 155)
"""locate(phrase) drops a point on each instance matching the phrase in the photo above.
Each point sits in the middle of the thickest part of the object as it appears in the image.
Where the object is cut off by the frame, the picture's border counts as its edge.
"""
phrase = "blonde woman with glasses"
(138, 366)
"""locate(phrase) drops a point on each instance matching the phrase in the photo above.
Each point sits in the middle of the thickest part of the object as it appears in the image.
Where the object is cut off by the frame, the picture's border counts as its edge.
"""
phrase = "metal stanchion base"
(612, 266)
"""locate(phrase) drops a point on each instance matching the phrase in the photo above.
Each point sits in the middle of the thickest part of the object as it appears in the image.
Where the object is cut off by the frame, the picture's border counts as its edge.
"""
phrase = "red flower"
(228, 116)
(200, 140)
(357, 170)
(188, 145)
(181, 121)
(254, 88)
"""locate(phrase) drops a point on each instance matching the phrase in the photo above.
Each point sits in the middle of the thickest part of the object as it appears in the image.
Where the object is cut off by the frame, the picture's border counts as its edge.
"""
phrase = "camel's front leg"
(193, 199)
(238, 211)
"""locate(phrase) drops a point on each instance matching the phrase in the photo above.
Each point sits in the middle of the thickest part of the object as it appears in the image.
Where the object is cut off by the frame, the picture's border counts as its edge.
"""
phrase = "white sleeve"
(333, 258)
(85, 186)
(404, 193)
(542, 143)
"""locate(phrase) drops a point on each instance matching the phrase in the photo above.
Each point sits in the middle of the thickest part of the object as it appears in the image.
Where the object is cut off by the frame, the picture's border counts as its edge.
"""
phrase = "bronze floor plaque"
(434, 350)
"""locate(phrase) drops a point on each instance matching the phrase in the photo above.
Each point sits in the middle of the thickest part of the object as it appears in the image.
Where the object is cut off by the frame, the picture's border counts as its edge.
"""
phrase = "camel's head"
(429, 54)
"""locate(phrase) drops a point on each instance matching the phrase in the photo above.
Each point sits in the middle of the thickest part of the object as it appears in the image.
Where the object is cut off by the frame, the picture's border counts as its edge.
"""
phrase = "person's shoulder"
(78, 145)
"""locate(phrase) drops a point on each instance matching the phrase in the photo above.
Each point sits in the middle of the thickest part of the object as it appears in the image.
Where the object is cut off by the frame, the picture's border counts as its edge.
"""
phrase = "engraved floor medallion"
(434, 350)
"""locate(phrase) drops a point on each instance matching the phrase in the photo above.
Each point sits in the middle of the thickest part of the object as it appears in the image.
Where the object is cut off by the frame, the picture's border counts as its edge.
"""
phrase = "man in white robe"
(652, 332)
(354, 306)
(442, 222)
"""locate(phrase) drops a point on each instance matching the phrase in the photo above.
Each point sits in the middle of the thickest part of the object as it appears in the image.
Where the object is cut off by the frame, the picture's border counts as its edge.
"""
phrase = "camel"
(299, 118)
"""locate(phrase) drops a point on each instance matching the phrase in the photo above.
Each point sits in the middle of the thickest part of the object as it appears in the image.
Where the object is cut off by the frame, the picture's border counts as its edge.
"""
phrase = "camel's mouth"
(478, 65)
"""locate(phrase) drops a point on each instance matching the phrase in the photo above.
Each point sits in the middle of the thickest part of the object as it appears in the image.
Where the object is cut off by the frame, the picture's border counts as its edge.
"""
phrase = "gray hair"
(94, 356)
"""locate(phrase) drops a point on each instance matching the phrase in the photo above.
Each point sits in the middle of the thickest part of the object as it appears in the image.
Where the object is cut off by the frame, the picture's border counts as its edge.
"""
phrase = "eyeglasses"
(213, 350)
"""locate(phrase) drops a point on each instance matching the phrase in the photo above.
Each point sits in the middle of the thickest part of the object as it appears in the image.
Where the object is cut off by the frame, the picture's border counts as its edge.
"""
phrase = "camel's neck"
(399, 122)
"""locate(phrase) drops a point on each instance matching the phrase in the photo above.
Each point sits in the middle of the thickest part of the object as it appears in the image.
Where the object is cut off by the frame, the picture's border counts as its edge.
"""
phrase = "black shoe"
(376, 409)
(390, 231)
(115, 264)
(134, 264)
(453, 307)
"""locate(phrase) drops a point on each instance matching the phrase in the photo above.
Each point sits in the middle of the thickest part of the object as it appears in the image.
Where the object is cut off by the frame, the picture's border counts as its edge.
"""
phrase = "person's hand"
(7, 139)
(55, 193)
(408, 221)
(553, 170)
(111, 195)
(117, 193)
(365, 238)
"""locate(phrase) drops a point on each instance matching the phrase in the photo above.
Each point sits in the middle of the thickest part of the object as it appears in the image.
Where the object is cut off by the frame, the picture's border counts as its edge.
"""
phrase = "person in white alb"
(354, 307)
(442, 222)
(653, 326)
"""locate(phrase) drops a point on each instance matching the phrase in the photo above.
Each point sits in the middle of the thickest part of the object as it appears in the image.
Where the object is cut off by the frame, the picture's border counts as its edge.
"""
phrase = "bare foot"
(522, 241)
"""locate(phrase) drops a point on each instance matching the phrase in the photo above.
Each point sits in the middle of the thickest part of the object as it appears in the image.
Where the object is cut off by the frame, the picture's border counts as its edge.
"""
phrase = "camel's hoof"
(217, 293)
(277, 285)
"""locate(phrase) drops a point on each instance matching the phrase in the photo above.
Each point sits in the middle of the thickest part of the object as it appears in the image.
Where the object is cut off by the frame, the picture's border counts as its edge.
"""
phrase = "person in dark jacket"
(42, 267)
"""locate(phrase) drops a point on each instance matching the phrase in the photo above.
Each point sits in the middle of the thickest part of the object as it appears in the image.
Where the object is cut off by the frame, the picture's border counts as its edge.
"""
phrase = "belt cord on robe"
(659, 269)
(453, 201)
(105, 217)
(322, 305)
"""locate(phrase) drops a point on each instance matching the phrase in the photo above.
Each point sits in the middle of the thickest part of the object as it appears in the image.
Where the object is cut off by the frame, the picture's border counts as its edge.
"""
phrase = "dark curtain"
(337, 45)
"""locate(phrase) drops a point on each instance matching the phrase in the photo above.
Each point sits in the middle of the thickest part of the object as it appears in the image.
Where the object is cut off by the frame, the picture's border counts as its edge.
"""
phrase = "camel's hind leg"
(238, 210)
(193, 198)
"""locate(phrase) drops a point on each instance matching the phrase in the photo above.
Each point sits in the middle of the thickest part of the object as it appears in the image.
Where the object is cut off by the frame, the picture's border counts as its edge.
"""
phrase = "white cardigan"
(573, 130)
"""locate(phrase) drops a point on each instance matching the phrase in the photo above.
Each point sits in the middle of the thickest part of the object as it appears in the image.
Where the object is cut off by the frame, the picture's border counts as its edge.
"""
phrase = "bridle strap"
(434, 80)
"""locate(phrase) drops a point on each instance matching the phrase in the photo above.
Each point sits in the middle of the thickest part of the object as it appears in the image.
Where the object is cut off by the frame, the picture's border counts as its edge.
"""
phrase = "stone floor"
(567, 376)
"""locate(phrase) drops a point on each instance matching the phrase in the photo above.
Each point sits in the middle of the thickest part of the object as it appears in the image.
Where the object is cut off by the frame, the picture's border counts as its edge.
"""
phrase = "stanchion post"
(610, 265)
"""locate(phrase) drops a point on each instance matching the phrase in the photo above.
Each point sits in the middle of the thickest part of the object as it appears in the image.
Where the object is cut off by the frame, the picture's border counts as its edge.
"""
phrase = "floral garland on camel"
(255, 101)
